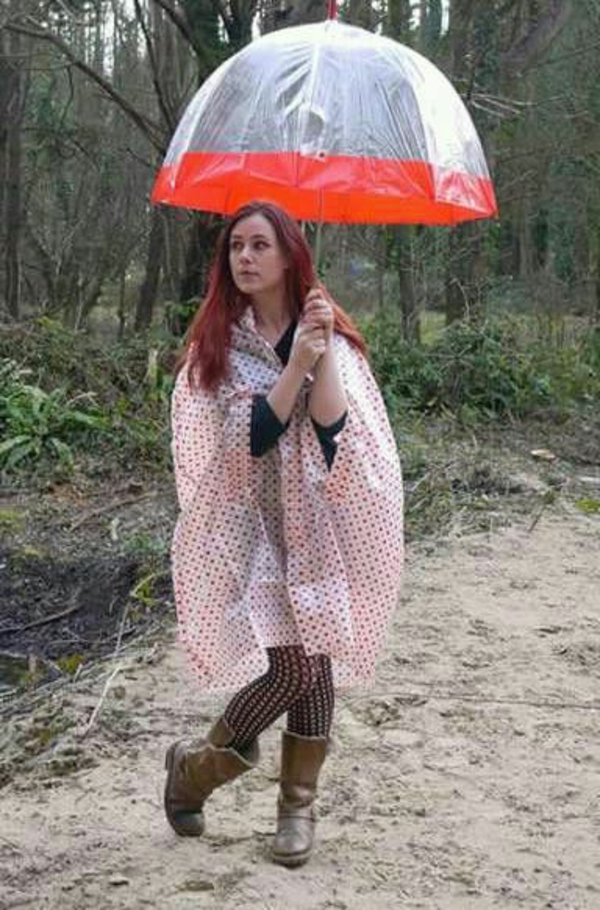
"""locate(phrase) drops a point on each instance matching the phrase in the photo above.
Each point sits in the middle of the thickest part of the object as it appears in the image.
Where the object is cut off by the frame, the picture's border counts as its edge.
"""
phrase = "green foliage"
(591, 350)
(147, 548)
(486, 371)
(144, 589)
(37, 425)
(70, 663)
(11, 520)
(70, 399)
(588, 506)
(69, 402)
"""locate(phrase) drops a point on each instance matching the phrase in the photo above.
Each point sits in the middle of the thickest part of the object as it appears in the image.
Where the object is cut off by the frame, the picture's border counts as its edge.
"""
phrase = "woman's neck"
(270, 314)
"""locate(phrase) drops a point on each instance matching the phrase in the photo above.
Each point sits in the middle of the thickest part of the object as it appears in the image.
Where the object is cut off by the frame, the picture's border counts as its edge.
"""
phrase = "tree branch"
(178, 20)
(150, 130)
(162, 102)
(539, 38)
(221, 11)
(181, 23)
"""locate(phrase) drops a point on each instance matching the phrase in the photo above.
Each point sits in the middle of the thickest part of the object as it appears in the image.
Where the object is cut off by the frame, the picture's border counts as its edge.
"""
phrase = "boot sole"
(169, 767)
(297, 859)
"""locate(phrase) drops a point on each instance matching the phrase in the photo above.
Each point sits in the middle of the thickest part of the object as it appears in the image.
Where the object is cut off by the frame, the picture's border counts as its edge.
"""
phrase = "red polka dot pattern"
(278, 550)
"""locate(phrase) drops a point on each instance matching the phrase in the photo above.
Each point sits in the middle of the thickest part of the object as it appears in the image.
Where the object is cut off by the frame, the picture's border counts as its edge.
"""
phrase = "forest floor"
(466, 778)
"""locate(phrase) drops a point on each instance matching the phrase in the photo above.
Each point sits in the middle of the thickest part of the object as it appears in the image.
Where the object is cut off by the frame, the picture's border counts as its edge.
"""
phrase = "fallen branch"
(108, 508)
(436, 695)
(98, 707)
(18, 702)
(41, 622)
(10, 844)
(121, 628)
(548, 498)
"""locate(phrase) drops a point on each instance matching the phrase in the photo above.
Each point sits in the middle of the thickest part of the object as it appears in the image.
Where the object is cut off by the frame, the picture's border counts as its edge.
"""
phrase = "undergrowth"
(492, 371)
(67, 404)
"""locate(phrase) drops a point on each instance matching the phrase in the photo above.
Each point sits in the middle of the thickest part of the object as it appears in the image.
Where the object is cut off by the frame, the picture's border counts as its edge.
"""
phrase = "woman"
(288, 548)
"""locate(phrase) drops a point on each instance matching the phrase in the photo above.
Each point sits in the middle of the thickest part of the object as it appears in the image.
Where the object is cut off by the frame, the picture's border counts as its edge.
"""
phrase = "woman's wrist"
(324, 359)
(295, 370)
(327, 401)
(282, 397)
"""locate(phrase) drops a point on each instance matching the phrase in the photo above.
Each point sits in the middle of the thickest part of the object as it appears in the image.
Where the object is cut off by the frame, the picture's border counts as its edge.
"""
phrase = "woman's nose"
(245, 254)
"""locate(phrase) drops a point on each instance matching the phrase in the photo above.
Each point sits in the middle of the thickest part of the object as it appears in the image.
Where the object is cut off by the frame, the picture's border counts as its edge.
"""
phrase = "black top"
(266, 428)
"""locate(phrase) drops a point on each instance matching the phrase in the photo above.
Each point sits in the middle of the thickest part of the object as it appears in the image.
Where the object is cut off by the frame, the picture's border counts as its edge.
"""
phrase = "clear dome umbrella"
(335, 124)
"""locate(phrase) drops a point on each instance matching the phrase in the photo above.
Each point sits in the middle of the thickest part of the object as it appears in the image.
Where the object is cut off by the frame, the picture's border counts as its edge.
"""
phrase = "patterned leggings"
(295, 682)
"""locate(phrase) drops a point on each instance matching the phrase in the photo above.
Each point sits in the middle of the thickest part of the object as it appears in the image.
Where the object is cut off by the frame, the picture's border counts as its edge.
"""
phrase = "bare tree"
(14, 82)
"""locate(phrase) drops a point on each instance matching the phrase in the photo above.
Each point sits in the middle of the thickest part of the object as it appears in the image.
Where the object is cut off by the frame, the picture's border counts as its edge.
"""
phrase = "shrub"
(491, 370)
(36, 425)
(67, 391)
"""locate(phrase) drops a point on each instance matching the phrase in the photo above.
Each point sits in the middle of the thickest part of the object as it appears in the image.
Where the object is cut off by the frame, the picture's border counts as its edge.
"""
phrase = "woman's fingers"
(317, 290)
(313, 312)
(317, 306)
(309, 329)
(318, 314)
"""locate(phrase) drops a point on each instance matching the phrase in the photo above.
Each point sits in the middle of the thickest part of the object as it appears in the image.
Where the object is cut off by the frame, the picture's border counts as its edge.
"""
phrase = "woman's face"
(258, 264)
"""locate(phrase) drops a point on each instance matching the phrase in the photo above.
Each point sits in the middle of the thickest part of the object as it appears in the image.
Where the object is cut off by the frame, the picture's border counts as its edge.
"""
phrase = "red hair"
(209, 335)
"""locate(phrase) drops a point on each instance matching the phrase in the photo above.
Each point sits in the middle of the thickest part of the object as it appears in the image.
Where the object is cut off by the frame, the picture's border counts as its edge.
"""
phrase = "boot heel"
(194, 770)
(169, 757)
(301, 760)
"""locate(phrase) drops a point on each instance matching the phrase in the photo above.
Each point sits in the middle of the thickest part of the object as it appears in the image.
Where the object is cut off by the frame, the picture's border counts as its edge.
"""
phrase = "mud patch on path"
(55, 615)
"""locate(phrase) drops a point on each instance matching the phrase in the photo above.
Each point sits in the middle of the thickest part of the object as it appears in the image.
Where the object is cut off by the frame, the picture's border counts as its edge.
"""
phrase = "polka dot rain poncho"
(279, 550)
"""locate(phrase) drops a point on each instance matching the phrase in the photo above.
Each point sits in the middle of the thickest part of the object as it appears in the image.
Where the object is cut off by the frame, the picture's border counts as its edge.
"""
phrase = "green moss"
(70, 663)
(11, 520)
(588, 506)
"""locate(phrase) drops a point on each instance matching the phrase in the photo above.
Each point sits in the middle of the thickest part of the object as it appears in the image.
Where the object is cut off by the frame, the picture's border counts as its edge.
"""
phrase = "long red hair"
(209, 335)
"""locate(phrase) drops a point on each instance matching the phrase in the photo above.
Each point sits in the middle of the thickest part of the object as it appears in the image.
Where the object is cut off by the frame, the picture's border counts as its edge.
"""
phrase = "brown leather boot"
(194, 770)
(301, 761)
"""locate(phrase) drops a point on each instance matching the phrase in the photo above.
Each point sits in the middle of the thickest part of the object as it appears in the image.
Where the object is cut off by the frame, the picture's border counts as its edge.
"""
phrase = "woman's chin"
(248, 286)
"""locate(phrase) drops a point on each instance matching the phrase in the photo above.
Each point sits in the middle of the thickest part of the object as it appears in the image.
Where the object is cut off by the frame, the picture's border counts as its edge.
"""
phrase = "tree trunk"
(465, 273)
(542, 31)
(596, 317)
(525, 240)
(121, 308)
(149, 288)
(13, 101)
(403, 257)
(398, 20)
(457, 277)
(203, 232)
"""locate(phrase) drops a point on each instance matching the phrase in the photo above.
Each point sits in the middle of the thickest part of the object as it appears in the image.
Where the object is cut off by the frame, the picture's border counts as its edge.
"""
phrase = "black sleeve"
(265, 426)
(326, 437)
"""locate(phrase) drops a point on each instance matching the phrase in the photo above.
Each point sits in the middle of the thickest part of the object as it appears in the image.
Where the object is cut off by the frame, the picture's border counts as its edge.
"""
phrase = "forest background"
(90, 94)
(471, 329)
(480, 325)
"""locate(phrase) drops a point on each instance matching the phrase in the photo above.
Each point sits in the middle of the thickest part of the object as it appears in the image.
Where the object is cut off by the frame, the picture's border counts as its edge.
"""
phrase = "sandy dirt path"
(469, 778)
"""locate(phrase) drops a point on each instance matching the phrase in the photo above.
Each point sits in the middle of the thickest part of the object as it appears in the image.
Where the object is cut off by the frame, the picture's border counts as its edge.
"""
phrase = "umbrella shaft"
(318, 240)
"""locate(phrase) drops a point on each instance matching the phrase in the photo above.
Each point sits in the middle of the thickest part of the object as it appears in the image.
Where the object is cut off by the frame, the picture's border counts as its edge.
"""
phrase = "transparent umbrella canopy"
(335, 124)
